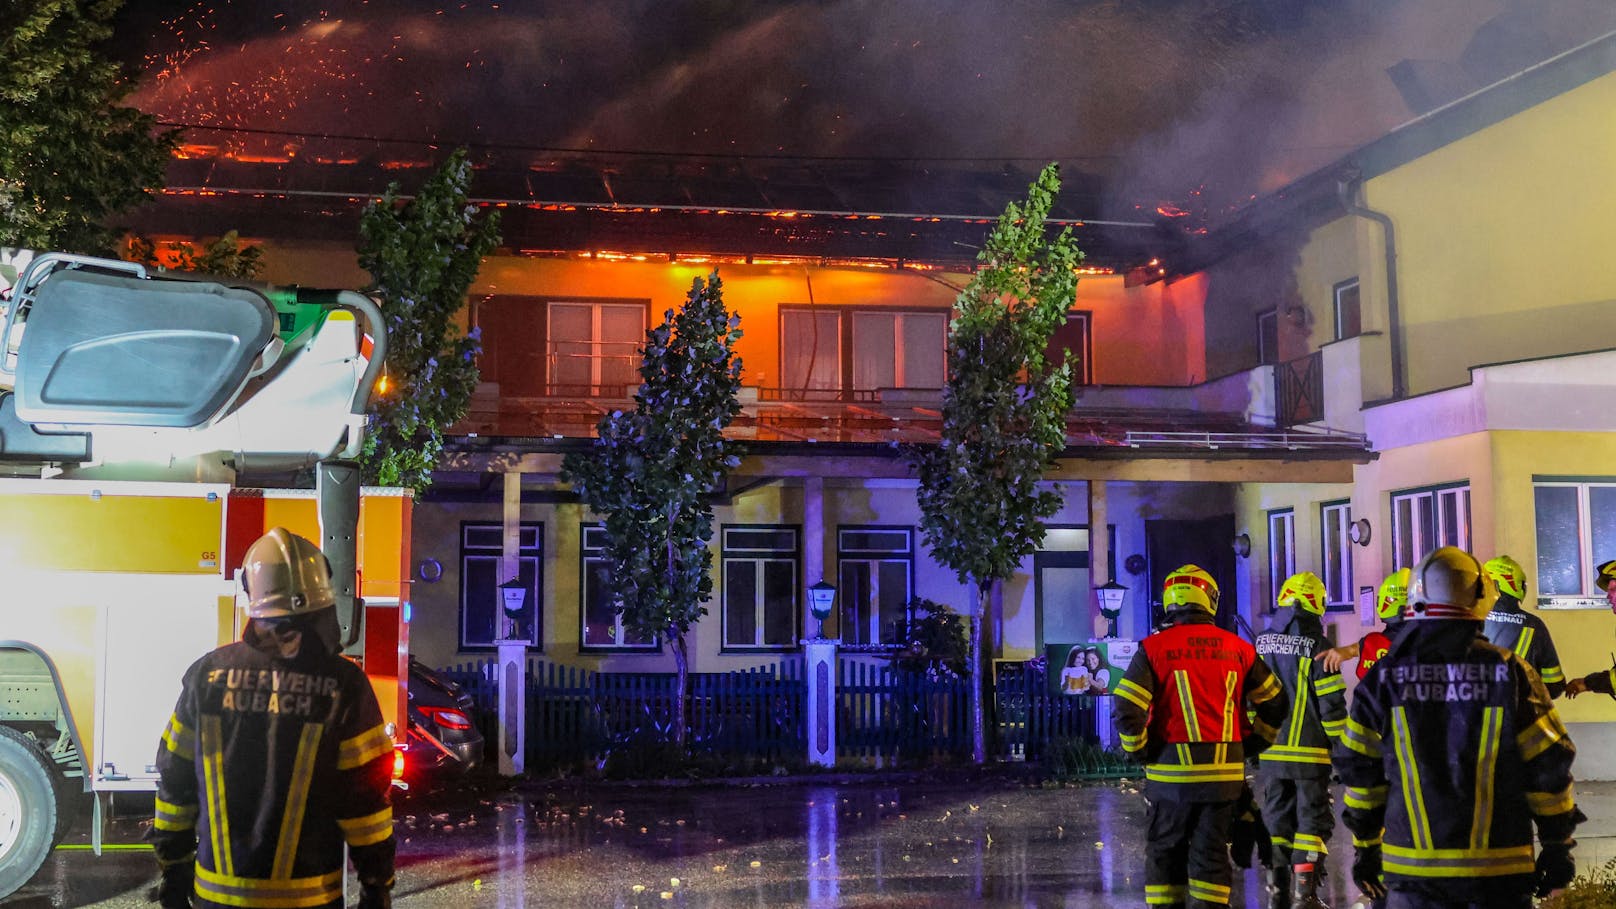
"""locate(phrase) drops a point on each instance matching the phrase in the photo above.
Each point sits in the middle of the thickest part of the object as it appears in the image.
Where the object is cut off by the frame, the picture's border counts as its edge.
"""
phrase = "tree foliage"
(226, 257)
(1004, 410)
(72, 157)
(651, 471)
(422, 254)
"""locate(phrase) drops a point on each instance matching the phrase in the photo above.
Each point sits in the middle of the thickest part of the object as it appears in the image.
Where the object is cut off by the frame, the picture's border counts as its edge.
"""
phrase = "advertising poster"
(1088, 669)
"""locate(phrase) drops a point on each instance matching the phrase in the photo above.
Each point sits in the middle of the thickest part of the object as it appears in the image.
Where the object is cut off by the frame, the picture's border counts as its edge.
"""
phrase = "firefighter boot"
(1306, 892)
(1279, 887)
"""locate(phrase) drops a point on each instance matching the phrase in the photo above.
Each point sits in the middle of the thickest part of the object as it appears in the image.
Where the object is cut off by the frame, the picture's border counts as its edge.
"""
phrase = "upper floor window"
(483, 619)
(1281, 549)
(760, 586)
(826, 352)
(1335, 521)
(593, 348)
(875, 577)
(1348, 318)
(1268, 337)
(1576, 530)
(811, 352)
(1426, 519)
(602, 625)
(1071, 345)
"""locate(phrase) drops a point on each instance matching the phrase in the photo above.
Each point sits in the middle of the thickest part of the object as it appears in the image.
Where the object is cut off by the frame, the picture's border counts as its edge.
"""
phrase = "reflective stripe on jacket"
(1526, 636)
(1318, 699)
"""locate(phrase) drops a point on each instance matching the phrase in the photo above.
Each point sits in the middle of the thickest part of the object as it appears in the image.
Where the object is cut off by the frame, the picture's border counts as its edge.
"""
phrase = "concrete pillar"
(813, 547)
(511, 543)
(821, 667)
(512, 648)
(1099, 551)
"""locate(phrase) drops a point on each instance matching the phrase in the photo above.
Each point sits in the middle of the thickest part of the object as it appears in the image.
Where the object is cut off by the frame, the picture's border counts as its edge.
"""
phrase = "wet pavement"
(925, 844)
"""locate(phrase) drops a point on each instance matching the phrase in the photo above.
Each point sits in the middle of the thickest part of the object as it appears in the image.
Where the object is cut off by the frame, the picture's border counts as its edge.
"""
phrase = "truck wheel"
(27, 810)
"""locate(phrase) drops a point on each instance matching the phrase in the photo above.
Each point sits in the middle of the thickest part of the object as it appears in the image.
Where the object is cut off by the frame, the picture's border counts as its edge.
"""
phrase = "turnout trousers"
(1299, 814)
(1406, 899)
(1187, 854)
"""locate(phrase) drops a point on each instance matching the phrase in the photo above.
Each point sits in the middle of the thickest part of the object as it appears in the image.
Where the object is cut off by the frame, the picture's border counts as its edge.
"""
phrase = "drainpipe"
(1346, 189)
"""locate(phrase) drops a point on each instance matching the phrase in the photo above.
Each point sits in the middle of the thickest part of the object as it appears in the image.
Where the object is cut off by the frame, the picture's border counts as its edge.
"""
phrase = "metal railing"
(1247, 441)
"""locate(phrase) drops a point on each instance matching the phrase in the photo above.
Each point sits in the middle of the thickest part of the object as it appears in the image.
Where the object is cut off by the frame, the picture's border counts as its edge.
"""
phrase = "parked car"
(443, 737)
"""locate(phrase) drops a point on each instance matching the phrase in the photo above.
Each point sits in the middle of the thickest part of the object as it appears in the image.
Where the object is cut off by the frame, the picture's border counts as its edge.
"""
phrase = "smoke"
(1160, 98)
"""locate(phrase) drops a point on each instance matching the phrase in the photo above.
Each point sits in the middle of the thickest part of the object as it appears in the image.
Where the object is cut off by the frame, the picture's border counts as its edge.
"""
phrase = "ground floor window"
(483, 619)
(602, 625)
(761, 597)
(1281, 550)
(875, 577)
(1335, 520)
(1426, 519)
(1576, 530)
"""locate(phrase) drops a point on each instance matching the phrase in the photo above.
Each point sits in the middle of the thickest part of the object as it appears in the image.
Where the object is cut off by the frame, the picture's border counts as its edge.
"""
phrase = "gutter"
(1347, 192)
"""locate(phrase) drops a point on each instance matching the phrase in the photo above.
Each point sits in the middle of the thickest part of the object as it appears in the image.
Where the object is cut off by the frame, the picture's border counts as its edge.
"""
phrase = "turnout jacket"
(1318, 699)
(1452, 752)
(1182, 707)
(267, 767)
(1525, 635)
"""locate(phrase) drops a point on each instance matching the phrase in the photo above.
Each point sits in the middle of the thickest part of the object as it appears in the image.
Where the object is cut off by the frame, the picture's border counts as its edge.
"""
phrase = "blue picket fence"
(577, 716)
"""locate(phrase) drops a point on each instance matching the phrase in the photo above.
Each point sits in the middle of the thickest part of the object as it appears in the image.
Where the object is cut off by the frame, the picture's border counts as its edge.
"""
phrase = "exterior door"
(1207, 543)
(1061, 590)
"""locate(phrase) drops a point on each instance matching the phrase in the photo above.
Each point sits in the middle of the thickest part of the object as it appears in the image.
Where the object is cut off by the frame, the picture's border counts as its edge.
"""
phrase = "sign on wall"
(1088, 669)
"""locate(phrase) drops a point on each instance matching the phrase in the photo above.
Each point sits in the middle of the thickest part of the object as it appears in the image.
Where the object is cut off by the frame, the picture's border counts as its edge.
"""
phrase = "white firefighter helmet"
(285, 575)
(1447, 584)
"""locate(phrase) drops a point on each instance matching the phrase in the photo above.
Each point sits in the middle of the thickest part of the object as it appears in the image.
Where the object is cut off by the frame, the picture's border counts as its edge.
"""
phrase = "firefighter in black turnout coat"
(1453, 752)
(1182, 708)
(1294, 772)
(276, 756)
(1518, 631)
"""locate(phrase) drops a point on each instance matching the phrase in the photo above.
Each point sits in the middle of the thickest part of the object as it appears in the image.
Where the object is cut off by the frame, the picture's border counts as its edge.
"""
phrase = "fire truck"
(151, 427)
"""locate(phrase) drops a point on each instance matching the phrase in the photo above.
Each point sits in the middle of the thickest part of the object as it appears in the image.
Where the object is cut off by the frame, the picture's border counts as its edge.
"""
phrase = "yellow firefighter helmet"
(1607, 573)
(1190, 587)
(1393, 596)
(1507, 575)
(1303, 589)
(285, 575)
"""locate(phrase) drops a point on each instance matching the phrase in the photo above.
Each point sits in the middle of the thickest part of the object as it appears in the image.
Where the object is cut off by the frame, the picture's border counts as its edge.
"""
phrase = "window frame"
(839, 381)
(1277, 573)
(846, 341)
(1335, 297)
(1085, 356)
(467, 553)
(898, 315)
(1437, 493)
(873, 557)
(760, 557)
(1266, 357)
(1348, 600)
(1589, 597)
(619, 633)
(596, 304)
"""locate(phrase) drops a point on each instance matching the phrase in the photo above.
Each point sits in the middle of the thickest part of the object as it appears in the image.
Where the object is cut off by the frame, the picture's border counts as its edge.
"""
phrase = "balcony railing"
(1299, 390)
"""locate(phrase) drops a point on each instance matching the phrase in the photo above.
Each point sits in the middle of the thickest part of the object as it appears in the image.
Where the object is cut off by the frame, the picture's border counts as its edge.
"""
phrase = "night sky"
(1161, 96)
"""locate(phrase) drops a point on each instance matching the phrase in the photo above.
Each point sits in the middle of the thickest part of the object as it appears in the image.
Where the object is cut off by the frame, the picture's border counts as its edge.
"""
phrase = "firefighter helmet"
(1303, 589)
(1393, 596)
(1607, 573)
(1507, 575)
(285, 575)
(1447, 584)
(1190, 587)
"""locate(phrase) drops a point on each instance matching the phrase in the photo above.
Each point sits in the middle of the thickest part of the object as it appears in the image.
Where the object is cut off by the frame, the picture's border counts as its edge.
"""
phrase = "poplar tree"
(1004, 415)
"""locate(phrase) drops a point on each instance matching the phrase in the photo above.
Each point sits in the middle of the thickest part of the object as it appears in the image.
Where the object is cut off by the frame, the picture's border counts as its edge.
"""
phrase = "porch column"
(1099, 558)
(820, 665)
(813, 547)
(512, 647)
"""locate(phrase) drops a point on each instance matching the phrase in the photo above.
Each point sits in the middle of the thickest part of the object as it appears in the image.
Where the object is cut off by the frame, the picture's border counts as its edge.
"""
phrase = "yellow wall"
(1504, 239)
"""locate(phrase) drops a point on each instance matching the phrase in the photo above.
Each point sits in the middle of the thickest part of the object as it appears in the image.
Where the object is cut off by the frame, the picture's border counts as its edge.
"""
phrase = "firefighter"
(1516, 630)
(276, 755)
(1452, 752)
(1295, 771)
(1603, 681)
(1389, 602)
(1182, 708)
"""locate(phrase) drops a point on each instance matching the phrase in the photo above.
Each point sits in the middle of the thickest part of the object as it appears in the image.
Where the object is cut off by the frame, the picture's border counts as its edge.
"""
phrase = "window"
(1268, 337)
(760, 586)
(1335, 518)
(1281, 549)
(1348, 318)
(1425, 519)
(1071, 344)
(811, 352)
(875, 567)
(1576, 530)
(898, 349)
(602, 625)
(482, 611)
(594, 348)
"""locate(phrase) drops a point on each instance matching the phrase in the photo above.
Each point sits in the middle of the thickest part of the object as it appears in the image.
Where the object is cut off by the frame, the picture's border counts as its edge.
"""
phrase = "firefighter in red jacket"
(1452, 754)
(276, 755)
(1374, 645)
(1182, 708)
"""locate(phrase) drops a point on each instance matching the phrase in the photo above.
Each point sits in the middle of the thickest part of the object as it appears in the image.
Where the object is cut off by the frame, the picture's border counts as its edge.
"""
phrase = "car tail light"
(447, 717)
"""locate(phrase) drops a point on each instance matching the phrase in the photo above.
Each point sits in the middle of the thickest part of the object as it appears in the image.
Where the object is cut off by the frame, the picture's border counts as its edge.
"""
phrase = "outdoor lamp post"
(513, 596)
(1110, 595)
(821, 597)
